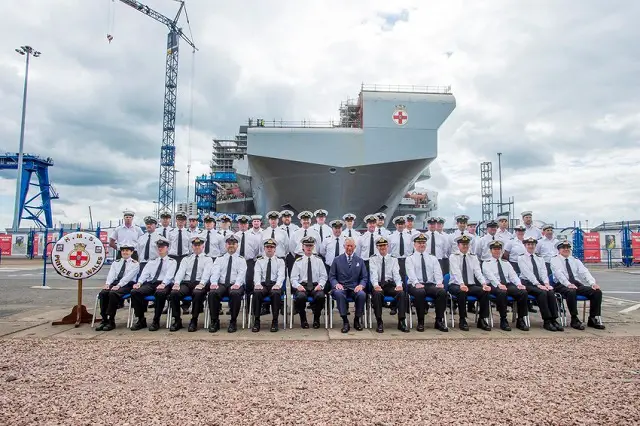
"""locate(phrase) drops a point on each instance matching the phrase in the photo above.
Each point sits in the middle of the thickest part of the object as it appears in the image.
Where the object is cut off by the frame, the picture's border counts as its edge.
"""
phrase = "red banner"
(5, 244)
(36, 243)
(592, 247)
(51, 238)
(635, 246)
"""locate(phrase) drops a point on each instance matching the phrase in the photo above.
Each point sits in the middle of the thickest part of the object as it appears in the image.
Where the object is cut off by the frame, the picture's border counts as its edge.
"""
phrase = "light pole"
(25, 51)
(500, 178)
(155, 209)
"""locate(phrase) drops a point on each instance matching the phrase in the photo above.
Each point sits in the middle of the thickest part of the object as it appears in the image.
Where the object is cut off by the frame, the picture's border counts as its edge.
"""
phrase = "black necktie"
(225, 233)
(465, 272)
(273, 233)
(242, 245)
(194, 270)
(206, 243)
(535, 269)
(572, 278)
(337, 253)
(424, 269)
(121, 273)
(321, 237)
(227, 277)
(305, 233)
(164, 232)
(349, 233)
(268, 280)
(433, 243)
(503, 279)
(371, 246)
(288, 235)
(493, 237)
(309, 274)
(401, 245)
(155, 277)
(383, 272)
(146, 248)
(379, 229)
(179, 242)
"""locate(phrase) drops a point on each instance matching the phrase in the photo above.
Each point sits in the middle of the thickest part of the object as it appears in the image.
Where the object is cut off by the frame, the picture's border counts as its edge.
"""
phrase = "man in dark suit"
(348, 278)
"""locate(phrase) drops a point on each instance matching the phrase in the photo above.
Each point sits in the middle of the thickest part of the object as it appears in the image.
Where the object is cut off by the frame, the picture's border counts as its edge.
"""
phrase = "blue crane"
(166, 189)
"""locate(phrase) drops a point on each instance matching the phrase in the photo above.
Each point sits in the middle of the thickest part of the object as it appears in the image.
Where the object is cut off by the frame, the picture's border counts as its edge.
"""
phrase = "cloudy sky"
(553, 85)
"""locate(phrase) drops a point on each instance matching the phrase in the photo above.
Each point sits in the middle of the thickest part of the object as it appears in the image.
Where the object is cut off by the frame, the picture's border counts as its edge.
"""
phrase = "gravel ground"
(524, 381)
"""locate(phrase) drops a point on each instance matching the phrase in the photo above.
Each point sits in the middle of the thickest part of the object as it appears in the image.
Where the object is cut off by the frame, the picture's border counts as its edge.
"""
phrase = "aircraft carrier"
(367, 161)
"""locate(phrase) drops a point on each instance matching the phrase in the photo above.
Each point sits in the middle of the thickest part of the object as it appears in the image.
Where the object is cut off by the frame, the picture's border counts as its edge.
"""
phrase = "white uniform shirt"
(443, 244)
(526, 268)
(328, 248)
(482, 247)
(351, 233)
(131, 270)
(547, 248)
(217, 273)
(515, 247)
(491, 273)
(326, 230)
(142, 245)
(186, 267)
(179, 236)
(164, 231)
(225, 233)
(277, 271)
(504, 236)
(295, 244)
(282, 246)
(453, 246)
(391, 270)
(580, 272)
(365, 244)
(194, 231)
(473, 269)
(413, 266)
(299, 271)
(533, 231)
(129, 235)
(167, 272)
(289, 229)
(382, 232)
(252, 244)
(216, 243)
(394, 244)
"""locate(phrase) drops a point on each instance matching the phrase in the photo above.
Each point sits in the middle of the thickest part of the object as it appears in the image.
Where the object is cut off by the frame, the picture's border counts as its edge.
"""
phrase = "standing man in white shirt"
(127, 233)
(546, 246)
(165, 224)
(248, 248)
(146, 244)
(333, 246)
(531, 229)
(438, 244)
(573, 278)
(400, 244)
(194, 228)
(380, 229)
(483, 249)
(305, 231)
(411, 218)
(386, 281)
(320, 226)
(349, 231)
(225, 227)
(213, 241)
(368, 240)
(503, 233)
(179, 239)
(288, 228)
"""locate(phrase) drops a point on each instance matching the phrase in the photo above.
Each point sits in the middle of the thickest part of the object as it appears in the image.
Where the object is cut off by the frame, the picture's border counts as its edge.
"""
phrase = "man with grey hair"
(531, 229)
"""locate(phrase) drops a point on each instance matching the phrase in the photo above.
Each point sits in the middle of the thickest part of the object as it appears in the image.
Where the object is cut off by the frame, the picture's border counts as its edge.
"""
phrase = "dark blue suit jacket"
(349, 277)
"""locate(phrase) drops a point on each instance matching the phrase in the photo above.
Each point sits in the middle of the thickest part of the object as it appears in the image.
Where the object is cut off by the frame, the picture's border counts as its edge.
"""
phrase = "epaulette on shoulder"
(241, 257)
(134, 261)
(316, 255)
(260, 257)
(394, 256)
(537, 255)
(298, 259)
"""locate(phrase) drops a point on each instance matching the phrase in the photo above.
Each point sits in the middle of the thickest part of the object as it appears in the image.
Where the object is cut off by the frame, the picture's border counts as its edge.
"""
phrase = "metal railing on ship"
(439, 90)
(303, 123)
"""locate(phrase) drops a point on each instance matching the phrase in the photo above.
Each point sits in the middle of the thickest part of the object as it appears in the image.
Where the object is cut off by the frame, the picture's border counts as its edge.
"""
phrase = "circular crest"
(400, 116)
(78, 255)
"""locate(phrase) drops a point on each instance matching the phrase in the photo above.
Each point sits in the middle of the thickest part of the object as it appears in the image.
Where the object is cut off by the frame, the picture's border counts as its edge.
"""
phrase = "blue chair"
(225, 299)
(169, 310)
(510, 301)
(310, 300)
(130, 316)
(283, 298)
(95, 307)
(451, 297)
(387, 299)
(427, 299)
(561, 307)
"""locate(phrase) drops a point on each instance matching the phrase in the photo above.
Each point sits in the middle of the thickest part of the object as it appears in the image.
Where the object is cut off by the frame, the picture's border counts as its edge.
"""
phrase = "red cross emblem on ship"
(78, 257)
(400, 116)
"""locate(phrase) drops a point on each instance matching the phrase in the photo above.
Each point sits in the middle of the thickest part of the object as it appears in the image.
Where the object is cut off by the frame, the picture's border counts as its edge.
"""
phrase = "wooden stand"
(79, 313)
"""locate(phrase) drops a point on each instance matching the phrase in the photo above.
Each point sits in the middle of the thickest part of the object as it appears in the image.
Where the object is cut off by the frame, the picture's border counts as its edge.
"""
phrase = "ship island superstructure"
(367, 161)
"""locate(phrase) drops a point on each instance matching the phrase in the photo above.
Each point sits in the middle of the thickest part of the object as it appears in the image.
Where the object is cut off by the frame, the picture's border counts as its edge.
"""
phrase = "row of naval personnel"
(348, 277)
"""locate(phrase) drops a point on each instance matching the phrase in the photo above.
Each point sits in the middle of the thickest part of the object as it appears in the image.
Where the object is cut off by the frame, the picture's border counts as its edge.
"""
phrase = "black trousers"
(161, 297)
(500, 300)
(251, 267)
(259, 296)
(548, 265)
(142, 265)
(178, 259)
(215, 299)
(570, 294)
(520, 297)
(475, 291)
(289, 263)
(137, 297)
(175, 297)
(110, 299)
(515, 267)
(430, 290)
(546, 300)
(444, 265)
(317, 304)
(403, 269)
(199, 294)
(388, 289)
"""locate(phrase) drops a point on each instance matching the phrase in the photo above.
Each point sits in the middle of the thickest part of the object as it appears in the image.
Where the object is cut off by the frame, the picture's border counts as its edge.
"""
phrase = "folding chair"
(510, 302)
(95, 307)
(225, 299)
(386, 299)
(169, 310)
(283, 298)
(427, 299)
(332, 307)
(147, 299)
(450, 296)
(561, 307)
(309, 300)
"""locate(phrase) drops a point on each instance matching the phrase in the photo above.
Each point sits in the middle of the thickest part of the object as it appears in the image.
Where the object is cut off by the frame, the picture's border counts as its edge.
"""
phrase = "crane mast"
(167, 181)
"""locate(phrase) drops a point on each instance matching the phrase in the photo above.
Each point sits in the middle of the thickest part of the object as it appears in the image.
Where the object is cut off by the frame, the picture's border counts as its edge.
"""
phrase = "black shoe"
(139, 325)
(522, 325)
(316, 323)
(155, 326)
(380, 328)
(232, 327)
(402, 326)
(576, 323)
(102, 325)
(110, 326)
(531, 308)
(548, 325)
(345, 327)
(463, 324)
(420, 327)
(121, 304)
(593, 322)
(274, 326)
(393, 311)
(356, 324)
(304, 324)
(471, 309)
(228, 312)
(151, 305)
(214, 326)
(557, 325)
(504, 324)
(177, 325)
(256, 326)
(440, 325)
(193, 326)
(483, 324)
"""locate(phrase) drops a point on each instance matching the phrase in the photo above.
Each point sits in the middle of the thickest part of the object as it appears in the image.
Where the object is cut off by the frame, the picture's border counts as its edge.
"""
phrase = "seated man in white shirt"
(386, 281)
(268, 278)
(466, 279)
(574, 279)
(308, 279)
(533, 277)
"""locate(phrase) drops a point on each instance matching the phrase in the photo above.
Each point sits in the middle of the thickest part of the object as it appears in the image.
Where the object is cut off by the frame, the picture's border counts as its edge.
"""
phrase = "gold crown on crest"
(79, 246)
(400, 106)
